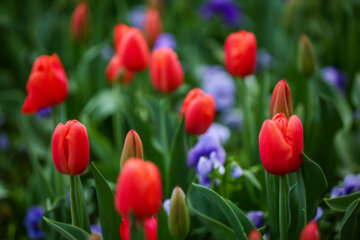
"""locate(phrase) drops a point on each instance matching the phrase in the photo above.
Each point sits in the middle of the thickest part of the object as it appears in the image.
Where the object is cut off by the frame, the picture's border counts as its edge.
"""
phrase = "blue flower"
(44, 112)
(166, 205)
(95, 228)
(319, 213)
(219, 131)
(232, 118)
(334, 77)
(351, 184)
(236, 171)
(257, 218)
(165, 40)
(4, 142)
(136, 16)
(32, 222)
(337, 192)
(217, 82)
(228, 10)
(263, 60)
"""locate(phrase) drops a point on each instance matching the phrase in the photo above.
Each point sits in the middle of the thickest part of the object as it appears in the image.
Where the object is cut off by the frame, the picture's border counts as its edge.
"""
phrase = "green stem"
(136, 229)
(163, 127)
(302, 197)
(74, 210)
(283, 207)
(117, 121)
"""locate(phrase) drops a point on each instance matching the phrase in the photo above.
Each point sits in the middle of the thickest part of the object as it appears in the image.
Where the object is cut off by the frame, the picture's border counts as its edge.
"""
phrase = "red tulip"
(152, 25)
(80, 21)
(116, 71)
(281, 144)
(165, 70)
(199, 110)
(310, 232)
(254, 235)
(240, 53)
(139, 189)
(70, 148)
(150, 229)
(133, 50)
(281, 101)
(119, 31)
(47, 84)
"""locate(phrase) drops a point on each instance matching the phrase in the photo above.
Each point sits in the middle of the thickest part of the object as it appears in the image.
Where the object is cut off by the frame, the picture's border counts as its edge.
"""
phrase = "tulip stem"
(74, 211)
(302, 197)
(116, 121)
(136, 229)
(163, 128)
(283, 207)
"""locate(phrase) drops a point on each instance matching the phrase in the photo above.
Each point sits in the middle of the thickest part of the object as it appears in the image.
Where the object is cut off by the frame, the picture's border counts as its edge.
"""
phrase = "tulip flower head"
(80, 21)
(199, 111)
(152, 25)
(150, 225)
(138, 189)
(281, 101)
(115, 71)
(47, 84)
(310, 232)
(281, 144)
(254, 235)
(70, 148)
(133, 147)
(306, 56)
(240, 53)
(120, 31)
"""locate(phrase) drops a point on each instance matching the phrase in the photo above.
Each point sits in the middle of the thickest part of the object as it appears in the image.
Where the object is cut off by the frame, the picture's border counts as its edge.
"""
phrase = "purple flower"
(232, 118)
(236, 171)
(44, 112)
(219, 131)
(352, 183)
(136, 16)
(166, 205)
(4, 142)
(228, 10)
(257, 218)
(205, 181)
(319, 213)
(334, 77)
(204, 166)
(165, 40)
(263, 60)
(95, 228)
(217, 82)
(337, 192)
(32, 222)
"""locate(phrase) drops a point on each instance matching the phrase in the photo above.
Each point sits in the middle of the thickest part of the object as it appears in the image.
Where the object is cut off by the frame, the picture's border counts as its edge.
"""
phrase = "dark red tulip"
(281, 101)
(80, 21)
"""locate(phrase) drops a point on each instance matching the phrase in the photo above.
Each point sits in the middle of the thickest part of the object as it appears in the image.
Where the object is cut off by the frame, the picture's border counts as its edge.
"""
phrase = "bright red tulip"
(119, 32)
(281, 144)
(281, 101)
(152, 25)
(47, 84)
(133, 50)
(116, 71)
(165, 70)
(150, 225)
(254, 235)
(80, 21)
(139, 189)
(310, 232)
(70, 148)
(240, 53)
(199, 110)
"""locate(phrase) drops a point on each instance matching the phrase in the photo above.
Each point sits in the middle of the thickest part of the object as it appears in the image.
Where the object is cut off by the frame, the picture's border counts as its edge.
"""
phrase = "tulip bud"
(133, 147)
(179, 220)
(94, 236)
(310, 232)
(199, 111)
(133, 50)
(150, 225)
(240, 53)
(281, 144)
(281, 101)
(119, 32)
(80, 21)
(165, 70)
(70, 148)
(152, 25)
(138, 189)
(115, 71)
(47, 84)
(306, 56)
(254, 235)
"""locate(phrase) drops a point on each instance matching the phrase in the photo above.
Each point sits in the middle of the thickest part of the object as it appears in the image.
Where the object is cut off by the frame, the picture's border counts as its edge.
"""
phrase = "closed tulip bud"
(115, 71)
(199, 111)
(254, 235)
(281, 144)
(240, 53)
(138, 189)
(179, 220)
(306, 56)
(80, 21)
(281, 101)
(95, 236)
(152, 25)
(119, 32)
(133, 147)
(310, 232)
(47, 84)
(133, 50)
(70, 148)
(165, 70)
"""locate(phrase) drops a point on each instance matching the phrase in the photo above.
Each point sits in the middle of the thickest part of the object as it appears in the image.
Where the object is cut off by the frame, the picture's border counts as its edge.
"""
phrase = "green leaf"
(163, 227)
(315, 185)
(355, 93)
(272, 193)
(342, 203)
(347, 146)
(68, 231)
(136, 230)
(245, 222)
(215, 212)
(109, 218)
(350, 226)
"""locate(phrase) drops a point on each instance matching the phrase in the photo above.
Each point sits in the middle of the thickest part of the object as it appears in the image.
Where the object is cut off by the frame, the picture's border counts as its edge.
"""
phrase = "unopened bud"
(179, 220)
(254, 235)
(306, 56)
(132, 147)
(281, 101)
(94, 236)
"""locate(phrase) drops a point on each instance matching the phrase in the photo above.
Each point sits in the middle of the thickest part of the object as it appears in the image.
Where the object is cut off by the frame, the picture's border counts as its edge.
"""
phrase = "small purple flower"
(32, 222)
(204, 166)
(44, 112)
(335, 77)
(352, 183)
(257, 218)
(166, 205)
(218, 131)
(136, 16)
(319, 213)
(95, 228)
(165, 40)
(337, 192)
(205, 181)
(263, 60)
(228, 10)
(236, 171)
(232, 118)
(4, 142)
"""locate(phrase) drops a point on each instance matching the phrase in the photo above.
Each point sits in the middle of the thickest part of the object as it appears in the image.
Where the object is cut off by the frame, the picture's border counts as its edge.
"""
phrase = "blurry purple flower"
(232, 118)
(136, 16)
(236, 171)
(165, 40)
(319, 213)
(206, 145)
(4, 142)
(205, 181)
(44, 112)
(228, 10)
(337, 192)
(257, 218)
(352, 183)
(95, 228)
(263, 60)
(32, 222)
(334, 77)
(219, 131)
(166, 205)
(204, 166)
(217, 82)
